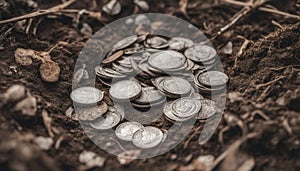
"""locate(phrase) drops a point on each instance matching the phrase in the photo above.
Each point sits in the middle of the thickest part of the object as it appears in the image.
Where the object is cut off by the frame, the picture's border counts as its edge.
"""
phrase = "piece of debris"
(80, 74)
(142, 4)
(47, 122)
(202, 163)
(113, 7)
(90, 159)
(24, 56)
(27, 106)
(127, 157)
(227, 49)
(14, 93)
(44, 143)
(50, 71)
(86, 30)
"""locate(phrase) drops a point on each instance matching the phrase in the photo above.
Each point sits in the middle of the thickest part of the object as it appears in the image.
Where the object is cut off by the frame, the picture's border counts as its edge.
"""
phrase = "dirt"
(264, 81)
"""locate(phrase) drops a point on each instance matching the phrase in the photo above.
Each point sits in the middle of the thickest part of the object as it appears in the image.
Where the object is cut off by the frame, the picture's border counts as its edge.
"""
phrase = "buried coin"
(147, 137)
(87, 95)
(92, 113)
(126, 130)
(200, 53)
(107, 121)
(176, 85)
(186, 107)
(124, 43)
(208, 109)
(125, 90)
(213, 79)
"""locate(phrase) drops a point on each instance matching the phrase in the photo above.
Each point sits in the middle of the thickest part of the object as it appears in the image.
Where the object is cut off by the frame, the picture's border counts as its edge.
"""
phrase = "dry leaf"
(24, 56)
(50, 71)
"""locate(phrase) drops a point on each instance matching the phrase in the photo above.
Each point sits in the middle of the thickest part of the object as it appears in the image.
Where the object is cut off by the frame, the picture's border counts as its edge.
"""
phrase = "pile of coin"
(147, 70)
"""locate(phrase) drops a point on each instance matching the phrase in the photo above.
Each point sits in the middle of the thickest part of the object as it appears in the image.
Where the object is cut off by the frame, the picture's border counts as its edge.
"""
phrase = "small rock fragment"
(227, 49)
(15, 93)
(86, 30)
(127, 157)
(24, 56)
(27, 106)
(142, 4)
(113, 7)
(50, 71)
(202, 163)
(44, 143)
(91, 159)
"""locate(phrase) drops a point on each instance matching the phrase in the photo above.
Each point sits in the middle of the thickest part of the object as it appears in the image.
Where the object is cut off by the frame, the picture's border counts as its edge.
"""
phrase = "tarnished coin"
(125, 90)
(86, 95)
(113, 57)
(133, 50)
(147, 137)
(166, 60)
(107, 121)
(208, 109)
(149, 95)
(200, 53)
(179, 43)
(126, 130)
(176, 45)
(125, 42)
(176, 85)
(92, 113)
(157, 42)
(186, 107)
(213, 78)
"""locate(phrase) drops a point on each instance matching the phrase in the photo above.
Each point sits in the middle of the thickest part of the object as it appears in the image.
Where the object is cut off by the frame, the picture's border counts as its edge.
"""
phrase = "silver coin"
(180, 43)
(168, 112)
(133, 50)
(87, 95)
(125, 90)
(176, 85)
(200, 53)
(108, 73)
(213, 78)
(125, 42)
(176, 45)
(109, 120)
(149, 96)
(147, 137)
(126, 130)
(208, 109)
(157, 42)
(166, 60)
(186, 107)
(92, 113)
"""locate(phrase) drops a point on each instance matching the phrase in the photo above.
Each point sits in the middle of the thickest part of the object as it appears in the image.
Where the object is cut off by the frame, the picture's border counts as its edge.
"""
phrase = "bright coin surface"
(125, 42)
(107, 121)
(147, 137)
(126, 130)
(200, 53)
(166, 60)
(186, 107)
(125, 90)
(86, 95)
(213, 78)
(176, 85)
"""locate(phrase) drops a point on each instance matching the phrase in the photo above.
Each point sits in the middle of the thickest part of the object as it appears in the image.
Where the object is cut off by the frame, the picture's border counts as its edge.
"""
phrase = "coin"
(125, 90)
(157, 42)
(126, 130)
(166, 60)
(200, 53)
(92, 113)
(186, 107)
(176, 85)
(109, 120)
(86, 95)
(125, 42)
(113, 57)
(149, 95)
(213, 78)
(169, 114)
(147, 137)
(208, 109)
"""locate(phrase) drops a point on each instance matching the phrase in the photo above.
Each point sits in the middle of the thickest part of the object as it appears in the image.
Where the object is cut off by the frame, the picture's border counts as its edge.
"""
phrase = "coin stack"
(147, 70)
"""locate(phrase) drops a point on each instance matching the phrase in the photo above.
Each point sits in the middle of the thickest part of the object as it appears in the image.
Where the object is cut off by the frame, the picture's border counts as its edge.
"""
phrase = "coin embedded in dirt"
(125, 90)
(87, 95)
(208, 109)
(92, 113)
(126, 130)
(147, 137)
(213, 78)
(50, 71)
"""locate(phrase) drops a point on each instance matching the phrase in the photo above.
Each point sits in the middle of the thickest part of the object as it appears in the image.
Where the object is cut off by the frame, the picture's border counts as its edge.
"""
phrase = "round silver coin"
(200, 53)
(92, 113)
(87, 95)
(187, 42)
(208, 109)
(147, 137)
(176, 85)
(186, 107)
(166, 60)
(107, 121)
(125, 42)
(213, 78)
(125, 90)
(168, 112)
(126, 130)
(149, 95)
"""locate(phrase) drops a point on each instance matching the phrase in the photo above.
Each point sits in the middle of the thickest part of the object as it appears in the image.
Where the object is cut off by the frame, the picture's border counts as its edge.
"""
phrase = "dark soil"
(272, 54)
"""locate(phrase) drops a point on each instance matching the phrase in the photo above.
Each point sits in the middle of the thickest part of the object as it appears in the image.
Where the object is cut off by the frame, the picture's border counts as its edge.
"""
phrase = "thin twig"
(39, 12)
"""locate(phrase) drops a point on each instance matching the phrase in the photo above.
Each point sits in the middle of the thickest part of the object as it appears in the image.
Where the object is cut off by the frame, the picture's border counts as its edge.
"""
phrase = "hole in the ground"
(295, 104)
